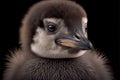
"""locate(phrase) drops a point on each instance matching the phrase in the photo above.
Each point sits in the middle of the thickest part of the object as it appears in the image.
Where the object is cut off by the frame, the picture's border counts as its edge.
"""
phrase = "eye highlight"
(51, 27)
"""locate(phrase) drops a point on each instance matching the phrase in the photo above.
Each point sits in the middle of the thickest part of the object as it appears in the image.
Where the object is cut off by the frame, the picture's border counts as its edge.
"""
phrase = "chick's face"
(55, 40)
(55, 29)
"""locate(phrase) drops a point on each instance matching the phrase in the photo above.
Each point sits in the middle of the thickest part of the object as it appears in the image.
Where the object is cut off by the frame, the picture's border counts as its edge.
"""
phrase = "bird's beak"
(82, 44)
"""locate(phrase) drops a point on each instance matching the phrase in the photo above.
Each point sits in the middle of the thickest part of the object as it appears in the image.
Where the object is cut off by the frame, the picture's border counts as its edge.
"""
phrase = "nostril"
(76, 36)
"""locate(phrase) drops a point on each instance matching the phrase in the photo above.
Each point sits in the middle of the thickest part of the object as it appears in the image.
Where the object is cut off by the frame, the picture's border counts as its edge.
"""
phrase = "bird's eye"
(51, 27)
(86, 29)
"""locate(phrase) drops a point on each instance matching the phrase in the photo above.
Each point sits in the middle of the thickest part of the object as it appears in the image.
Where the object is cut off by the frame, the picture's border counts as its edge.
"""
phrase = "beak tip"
(87, 46)
(90, 47)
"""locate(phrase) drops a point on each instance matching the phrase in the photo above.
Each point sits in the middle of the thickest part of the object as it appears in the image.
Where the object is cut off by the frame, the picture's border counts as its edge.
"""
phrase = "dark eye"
(86, 29)
(51, 27)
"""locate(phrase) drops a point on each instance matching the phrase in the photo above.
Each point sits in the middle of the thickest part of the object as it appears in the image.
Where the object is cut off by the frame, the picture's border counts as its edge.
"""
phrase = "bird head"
(55, 29)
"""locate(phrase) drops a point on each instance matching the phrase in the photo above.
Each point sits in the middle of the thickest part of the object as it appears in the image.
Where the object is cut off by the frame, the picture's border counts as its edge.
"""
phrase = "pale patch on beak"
(67, 43)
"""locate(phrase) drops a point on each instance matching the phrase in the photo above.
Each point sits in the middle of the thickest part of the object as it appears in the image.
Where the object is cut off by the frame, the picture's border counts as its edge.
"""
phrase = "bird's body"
(90, 66)
(55, 46)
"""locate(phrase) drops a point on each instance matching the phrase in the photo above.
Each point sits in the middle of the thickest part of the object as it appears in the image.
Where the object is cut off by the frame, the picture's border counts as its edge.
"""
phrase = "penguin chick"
(55, 46)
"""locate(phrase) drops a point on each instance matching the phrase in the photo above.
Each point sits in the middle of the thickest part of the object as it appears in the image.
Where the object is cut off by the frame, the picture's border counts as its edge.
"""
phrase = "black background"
(102, 27)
